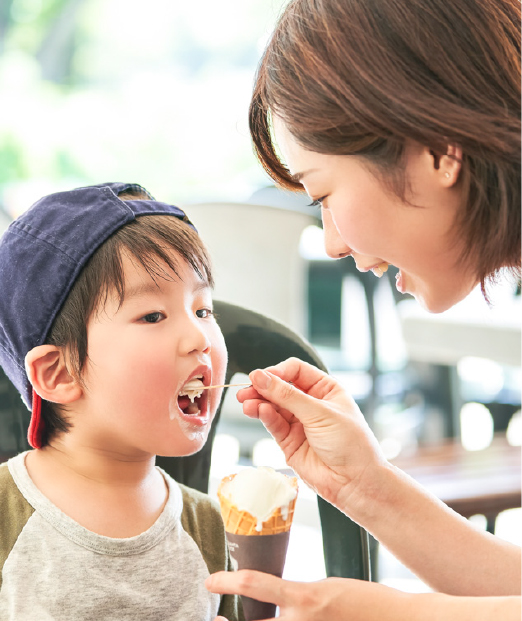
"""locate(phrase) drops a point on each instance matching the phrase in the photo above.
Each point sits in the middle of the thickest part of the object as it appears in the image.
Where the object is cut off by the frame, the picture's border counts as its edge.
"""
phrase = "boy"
(105, 317)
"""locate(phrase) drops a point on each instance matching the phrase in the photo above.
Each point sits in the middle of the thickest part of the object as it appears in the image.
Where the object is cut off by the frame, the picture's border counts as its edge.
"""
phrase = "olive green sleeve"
(15, 512)
(201, 519)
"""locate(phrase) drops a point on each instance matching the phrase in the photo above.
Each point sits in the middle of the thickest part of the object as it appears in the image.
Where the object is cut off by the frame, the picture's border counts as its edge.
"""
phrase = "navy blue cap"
(41, 255)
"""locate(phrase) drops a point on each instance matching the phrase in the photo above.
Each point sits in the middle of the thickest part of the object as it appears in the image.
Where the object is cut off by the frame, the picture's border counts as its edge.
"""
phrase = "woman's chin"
(437, 304)
(440, 297)
(432, 306)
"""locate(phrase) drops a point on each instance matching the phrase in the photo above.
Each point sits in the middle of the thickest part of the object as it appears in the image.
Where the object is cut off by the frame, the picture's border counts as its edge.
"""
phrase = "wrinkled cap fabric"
(41, 255)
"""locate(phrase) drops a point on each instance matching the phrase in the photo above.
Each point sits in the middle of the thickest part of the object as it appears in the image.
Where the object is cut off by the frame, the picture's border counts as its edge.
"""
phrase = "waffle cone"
(243, 523)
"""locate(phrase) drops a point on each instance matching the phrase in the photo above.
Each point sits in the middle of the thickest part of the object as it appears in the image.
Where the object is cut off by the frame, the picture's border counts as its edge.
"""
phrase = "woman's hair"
(149, 241)
(360, 77)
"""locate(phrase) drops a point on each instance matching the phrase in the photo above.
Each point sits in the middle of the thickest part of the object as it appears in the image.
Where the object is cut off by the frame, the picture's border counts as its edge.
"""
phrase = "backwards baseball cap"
(41, 255)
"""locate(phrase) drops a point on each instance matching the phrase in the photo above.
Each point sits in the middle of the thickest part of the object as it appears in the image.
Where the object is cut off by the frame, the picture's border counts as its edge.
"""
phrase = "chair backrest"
(255, 341)
(255, 253)
(14, 420)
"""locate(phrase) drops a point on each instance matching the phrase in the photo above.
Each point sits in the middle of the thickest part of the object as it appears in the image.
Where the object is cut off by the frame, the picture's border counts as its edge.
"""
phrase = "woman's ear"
(451, 164)
(447, 167)
(48, 373)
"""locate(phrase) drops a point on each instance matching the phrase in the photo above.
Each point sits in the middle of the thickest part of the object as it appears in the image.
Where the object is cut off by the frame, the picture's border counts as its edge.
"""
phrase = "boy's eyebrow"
(202, 284)
(146, 288)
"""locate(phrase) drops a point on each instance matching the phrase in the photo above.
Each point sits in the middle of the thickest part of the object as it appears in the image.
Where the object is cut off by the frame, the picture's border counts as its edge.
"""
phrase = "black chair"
(255, 341)
(14, 420)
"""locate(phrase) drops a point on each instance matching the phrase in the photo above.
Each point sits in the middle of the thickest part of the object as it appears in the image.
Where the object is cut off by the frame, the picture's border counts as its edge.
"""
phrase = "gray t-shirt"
(52, 568)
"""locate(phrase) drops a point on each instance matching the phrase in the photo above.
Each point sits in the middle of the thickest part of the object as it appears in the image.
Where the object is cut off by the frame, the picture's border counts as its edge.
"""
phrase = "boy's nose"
(333, 243)
(194, 338)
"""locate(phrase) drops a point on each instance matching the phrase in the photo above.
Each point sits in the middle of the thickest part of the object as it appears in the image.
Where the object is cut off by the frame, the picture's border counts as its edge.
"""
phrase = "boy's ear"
(48, 373)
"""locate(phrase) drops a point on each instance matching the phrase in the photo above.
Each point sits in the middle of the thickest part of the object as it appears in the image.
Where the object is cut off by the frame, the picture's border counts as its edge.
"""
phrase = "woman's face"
(363, 219)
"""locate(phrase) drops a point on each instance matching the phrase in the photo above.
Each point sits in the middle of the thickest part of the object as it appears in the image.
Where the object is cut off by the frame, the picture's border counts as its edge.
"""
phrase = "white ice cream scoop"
(260, 491)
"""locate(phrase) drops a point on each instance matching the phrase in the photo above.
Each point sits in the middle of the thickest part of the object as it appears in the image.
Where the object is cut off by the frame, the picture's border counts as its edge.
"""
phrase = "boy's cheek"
(219, 359)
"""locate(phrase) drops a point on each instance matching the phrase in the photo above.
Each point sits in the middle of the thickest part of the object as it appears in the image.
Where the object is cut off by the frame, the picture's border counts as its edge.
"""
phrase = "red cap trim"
(36, 426)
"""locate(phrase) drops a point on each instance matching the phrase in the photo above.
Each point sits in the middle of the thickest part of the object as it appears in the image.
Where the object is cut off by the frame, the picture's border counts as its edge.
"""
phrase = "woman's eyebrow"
(298, 176)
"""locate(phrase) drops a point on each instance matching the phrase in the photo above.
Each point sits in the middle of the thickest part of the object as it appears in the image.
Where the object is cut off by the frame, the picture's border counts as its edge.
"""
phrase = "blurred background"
(157, 93)
(96, 90)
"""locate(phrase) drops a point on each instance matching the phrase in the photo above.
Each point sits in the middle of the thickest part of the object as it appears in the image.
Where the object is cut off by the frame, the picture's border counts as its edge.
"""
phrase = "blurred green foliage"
(156, 92)
(12, 164)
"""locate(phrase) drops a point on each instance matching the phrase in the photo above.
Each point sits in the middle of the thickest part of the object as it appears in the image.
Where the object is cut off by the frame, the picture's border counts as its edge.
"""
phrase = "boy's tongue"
(183, 402)
(187, 406)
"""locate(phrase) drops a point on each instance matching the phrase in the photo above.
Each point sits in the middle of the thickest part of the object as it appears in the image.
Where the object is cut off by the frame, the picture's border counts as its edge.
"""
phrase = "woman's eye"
(153, 317)
(203, 313)
(318, 202)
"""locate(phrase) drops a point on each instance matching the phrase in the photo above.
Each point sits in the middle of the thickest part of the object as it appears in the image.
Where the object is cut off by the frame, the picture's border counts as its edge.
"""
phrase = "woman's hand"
(319, 427)
(356, 600)
(333, 598)
(326, 440)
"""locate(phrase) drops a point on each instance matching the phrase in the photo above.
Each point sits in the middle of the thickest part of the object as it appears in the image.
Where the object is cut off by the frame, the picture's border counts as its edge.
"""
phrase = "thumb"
(280, 393)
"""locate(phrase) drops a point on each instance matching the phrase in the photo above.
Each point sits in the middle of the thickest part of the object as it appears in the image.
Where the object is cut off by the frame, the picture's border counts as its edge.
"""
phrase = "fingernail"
(262, 379)
(208, 582)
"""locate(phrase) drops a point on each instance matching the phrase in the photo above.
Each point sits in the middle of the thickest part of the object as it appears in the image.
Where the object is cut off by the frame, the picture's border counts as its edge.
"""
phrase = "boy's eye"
(203, 313)
(153, 317)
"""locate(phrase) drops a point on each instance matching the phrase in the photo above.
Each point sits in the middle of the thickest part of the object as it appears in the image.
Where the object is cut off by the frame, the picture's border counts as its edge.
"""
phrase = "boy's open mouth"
(191, 397)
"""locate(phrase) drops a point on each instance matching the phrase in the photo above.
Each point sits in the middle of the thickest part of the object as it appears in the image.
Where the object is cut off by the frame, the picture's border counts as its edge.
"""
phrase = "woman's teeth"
(380, 269)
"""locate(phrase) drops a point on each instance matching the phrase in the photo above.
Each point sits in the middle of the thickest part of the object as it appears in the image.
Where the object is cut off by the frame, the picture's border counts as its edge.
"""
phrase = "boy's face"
(139, 357)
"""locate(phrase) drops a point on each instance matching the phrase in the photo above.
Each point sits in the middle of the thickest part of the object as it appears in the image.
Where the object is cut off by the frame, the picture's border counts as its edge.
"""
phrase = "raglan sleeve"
(15, 511)
(201, 519)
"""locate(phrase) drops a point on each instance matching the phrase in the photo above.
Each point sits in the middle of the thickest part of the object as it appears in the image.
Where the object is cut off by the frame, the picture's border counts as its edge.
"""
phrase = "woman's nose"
(333, 243)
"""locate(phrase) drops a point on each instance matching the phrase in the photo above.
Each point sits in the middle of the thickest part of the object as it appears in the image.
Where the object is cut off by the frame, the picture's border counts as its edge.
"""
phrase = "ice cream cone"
(258, 543)
(243, 523)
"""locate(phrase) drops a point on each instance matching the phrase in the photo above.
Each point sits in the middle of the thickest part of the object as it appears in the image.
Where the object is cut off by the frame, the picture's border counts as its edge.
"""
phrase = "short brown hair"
(363, 76)
(150, 241)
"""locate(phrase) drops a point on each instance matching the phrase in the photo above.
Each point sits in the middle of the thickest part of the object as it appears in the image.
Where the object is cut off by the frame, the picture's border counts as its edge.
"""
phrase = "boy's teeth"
(197, 382)
(192, 389)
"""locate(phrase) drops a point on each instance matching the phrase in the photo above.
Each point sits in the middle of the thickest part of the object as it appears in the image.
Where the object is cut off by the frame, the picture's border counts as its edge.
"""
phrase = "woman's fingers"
(301, 374)
(293, 371)
(246, 394)
(286, 386)
(254, 584)
(292, 399)
(288, 400)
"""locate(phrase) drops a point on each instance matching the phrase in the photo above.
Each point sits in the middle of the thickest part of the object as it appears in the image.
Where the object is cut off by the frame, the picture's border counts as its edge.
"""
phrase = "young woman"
(401, 120)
